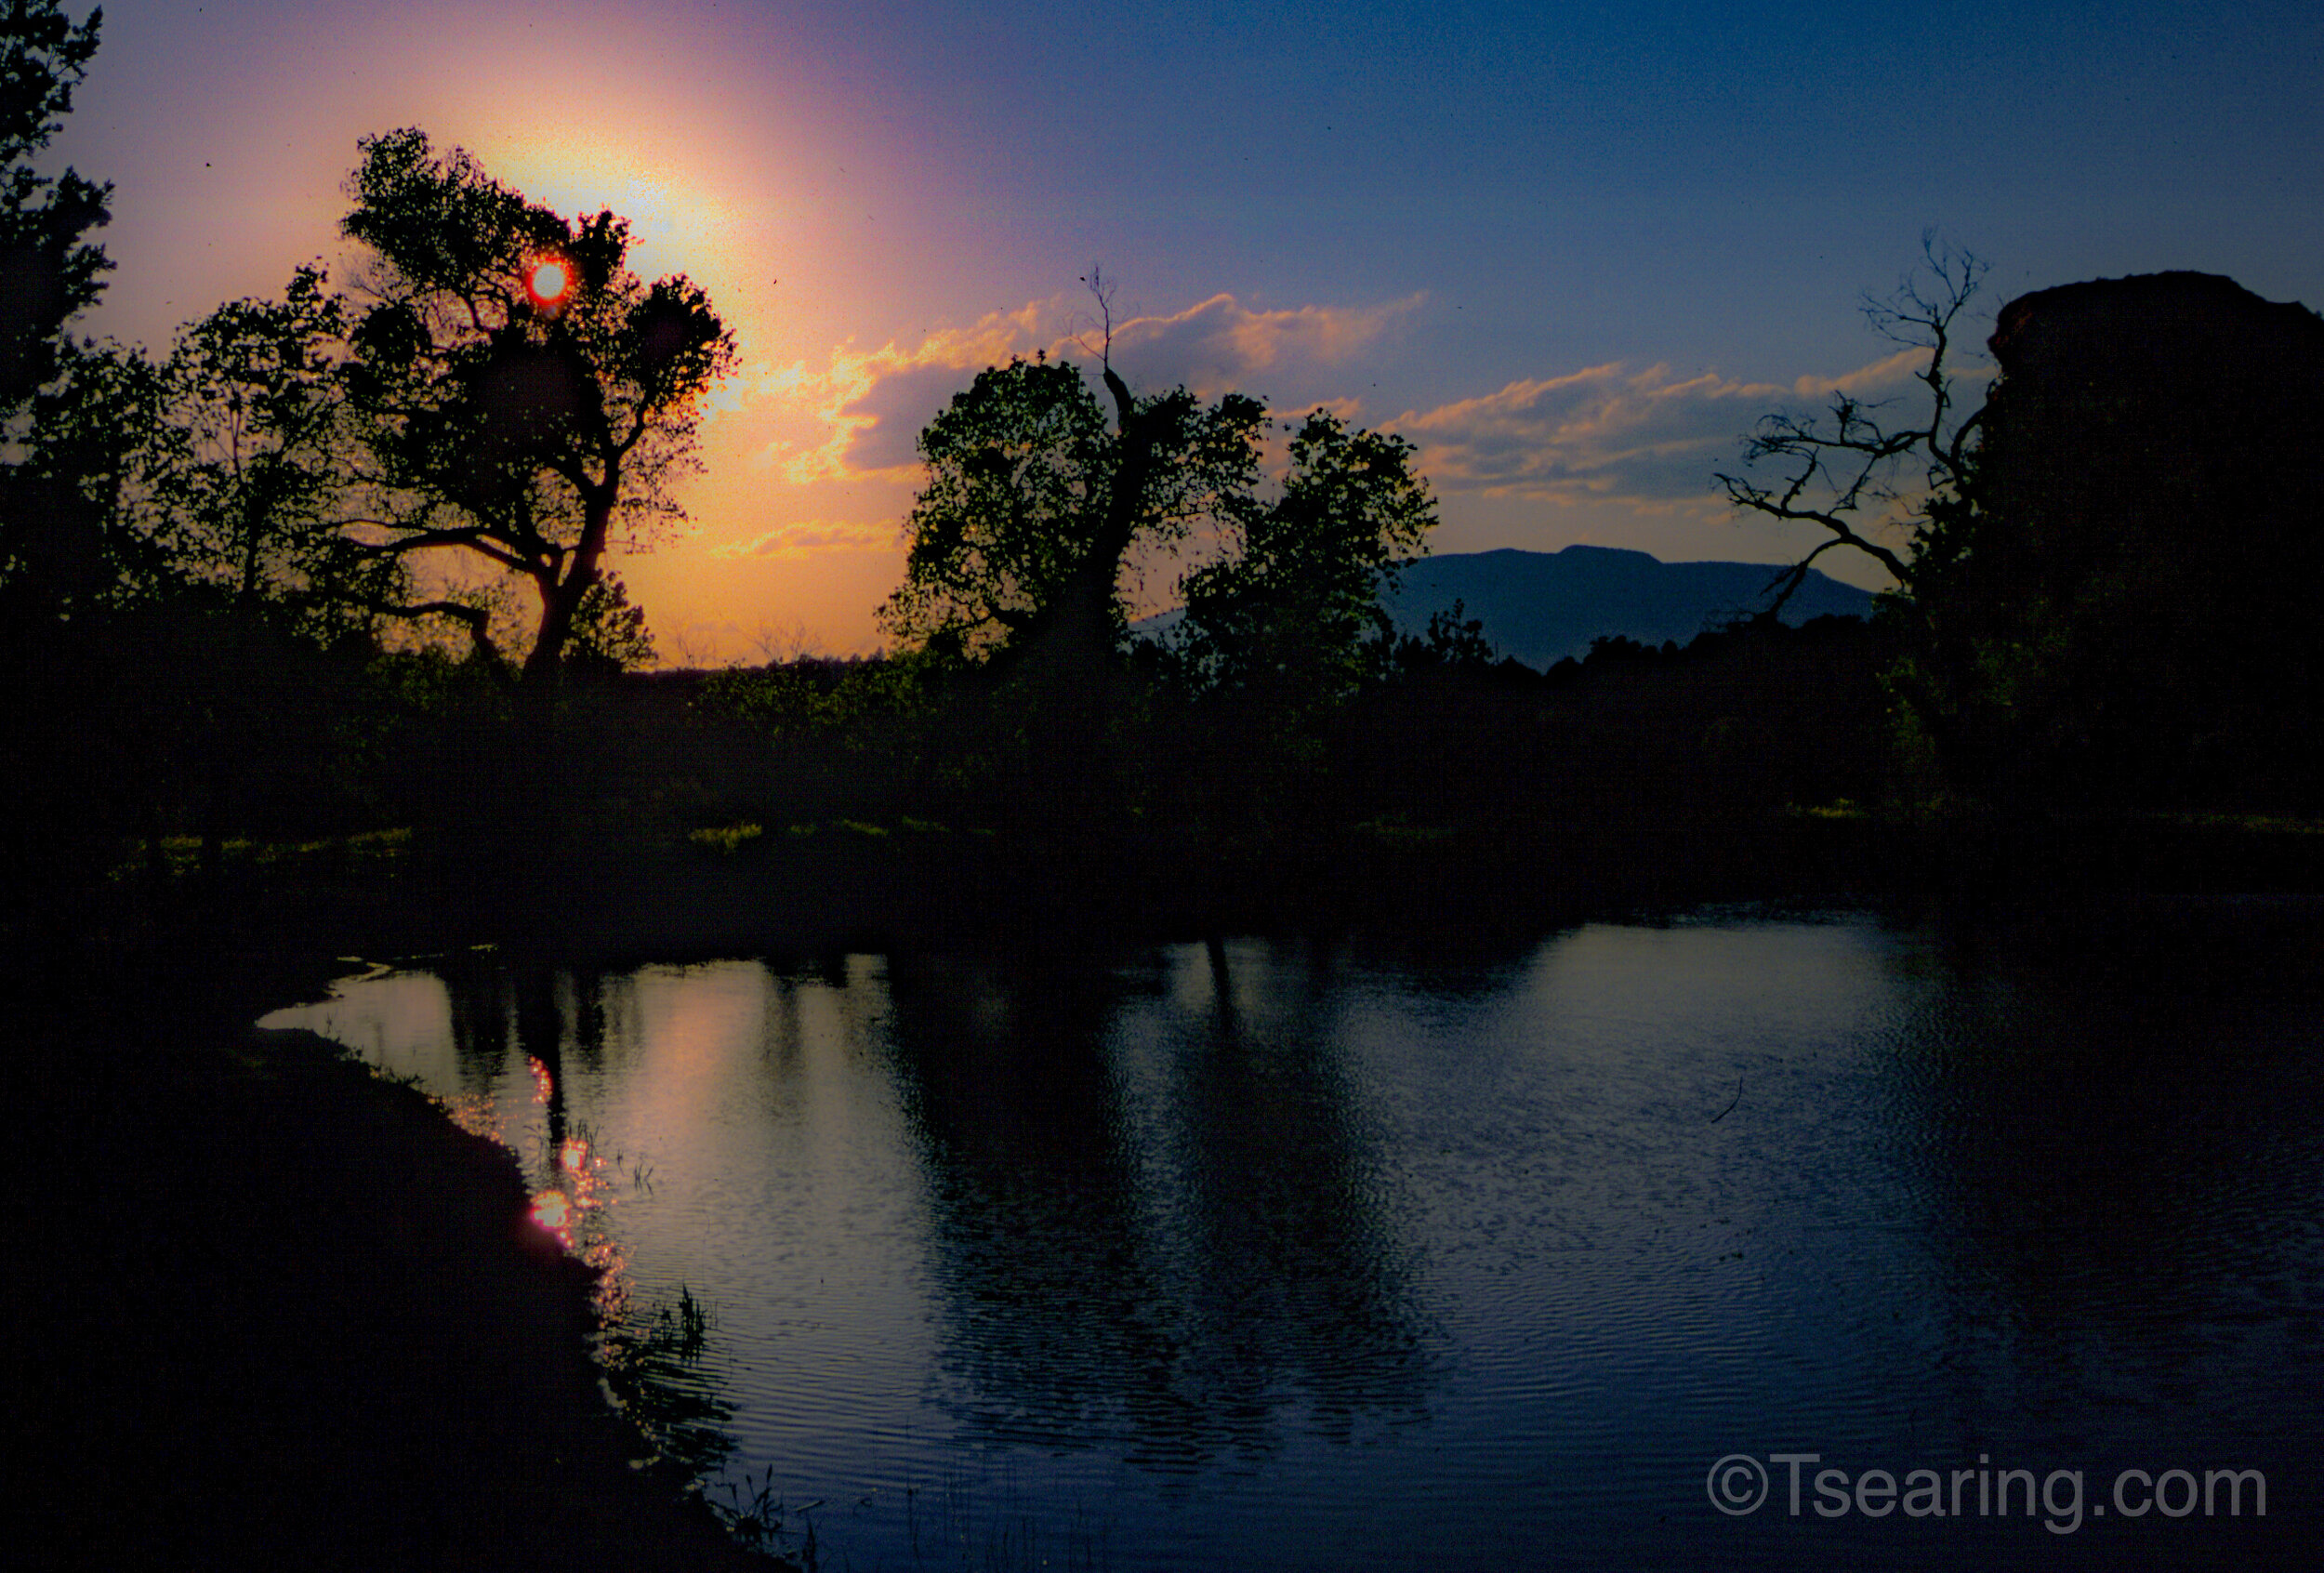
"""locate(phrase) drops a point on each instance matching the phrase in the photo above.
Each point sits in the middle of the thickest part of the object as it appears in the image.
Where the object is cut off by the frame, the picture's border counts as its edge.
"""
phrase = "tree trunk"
(562, 596)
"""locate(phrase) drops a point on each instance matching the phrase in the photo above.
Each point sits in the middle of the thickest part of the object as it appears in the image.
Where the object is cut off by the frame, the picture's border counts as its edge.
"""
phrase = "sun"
(549, 282)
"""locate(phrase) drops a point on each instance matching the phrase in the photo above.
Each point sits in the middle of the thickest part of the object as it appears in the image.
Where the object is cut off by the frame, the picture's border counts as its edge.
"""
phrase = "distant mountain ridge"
(1543, 606)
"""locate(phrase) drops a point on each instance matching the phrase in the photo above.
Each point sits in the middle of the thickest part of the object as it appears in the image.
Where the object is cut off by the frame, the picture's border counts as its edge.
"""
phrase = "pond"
(1305, 1254)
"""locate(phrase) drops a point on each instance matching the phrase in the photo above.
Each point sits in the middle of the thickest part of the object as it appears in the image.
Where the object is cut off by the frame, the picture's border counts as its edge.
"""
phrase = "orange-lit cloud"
(858, 416)
(1607, 434)
(815, 536)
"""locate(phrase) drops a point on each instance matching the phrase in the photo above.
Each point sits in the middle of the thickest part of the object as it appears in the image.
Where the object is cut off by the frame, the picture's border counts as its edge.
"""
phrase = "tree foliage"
(52, 550)
(76, 538)
(48, 272)
(609, 630)
(530, 428)
(1030, 489)
(1034, 502)
(1297, 599)
(252, 466)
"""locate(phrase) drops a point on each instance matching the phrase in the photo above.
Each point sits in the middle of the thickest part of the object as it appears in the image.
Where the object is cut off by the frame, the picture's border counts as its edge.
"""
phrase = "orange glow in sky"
(1578, 291)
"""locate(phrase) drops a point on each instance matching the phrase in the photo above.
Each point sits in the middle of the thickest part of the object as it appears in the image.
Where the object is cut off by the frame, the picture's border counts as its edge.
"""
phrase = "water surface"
(1286, 1255)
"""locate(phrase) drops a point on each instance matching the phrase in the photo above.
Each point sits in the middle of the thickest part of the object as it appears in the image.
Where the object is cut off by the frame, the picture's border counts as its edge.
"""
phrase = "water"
(1275, 1255)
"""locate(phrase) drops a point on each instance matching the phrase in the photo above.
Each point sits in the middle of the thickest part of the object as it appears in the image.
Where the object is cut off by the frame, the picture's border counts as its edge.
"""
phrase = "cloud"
(1220, 344)
(860, 414)
(1609, 434)
(1643, 439)
(813, 536)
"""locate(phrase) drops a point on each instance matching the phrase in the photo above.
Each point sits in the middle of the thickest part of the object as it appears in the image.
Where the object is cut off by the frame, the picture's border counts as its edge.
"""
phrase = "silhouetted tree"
(80, 541)
(253, 469)
(47, 272)
(1855, 470)
(1296, 599)
(609, 634)
(1454, 645)
(1033, 502)
(529, 398)
(1038, 513)
(1022, 539)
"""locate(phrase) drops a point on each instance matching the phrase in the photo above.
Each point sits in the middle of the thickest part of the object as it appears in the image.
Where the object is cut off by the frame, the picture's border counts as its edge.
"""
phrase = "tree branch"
(479, 620)
(1845, 463)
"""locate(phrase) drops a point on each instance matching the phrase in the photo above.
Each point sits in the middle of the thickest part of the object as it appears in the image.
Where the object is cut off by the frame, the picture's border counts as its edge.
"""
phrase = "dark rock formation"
(2177, 414)
(2136, 580)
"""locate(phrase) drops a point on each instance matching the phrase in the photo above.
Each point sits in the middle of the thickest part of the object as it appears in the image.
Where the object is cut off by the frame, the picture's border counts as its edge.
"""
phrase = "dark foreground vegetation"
(308, 649)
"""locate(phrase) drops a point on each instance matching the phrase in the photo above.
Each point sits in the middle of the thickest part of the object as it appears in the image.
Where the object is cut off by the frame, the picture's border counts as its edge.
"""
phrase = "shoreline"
(287, 1312)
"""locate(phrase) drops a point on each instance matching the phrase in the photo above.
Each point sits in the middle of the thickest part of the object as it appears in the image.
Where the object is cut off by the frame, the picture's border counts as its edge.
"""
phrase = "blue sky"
(1573, 251)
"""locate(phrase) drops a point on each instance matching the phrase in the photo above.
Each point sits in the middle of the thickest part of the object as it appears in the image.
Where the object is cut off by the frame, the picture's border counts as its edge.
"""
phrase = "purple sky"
(1572, 251)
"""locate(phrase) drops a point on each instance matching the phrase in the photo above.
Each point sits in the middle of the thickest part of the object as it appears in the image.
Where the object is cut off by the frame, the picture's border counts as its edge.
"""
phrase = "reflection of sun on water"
(579, 1187)
(553, 1211)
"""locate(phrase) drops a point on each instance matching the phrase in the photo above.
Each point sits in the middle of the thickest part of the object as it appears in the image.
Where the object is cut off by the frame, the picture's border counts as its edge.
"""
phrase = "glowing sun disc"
(550, 283)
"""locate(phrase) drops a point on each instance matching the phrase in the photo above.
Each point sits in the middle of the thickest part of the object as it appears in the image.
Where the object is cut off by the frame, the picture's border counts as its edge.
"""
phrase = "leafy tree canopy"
(527, 398)
(1030, 488)
(1035, 501)
(1299, 602)
(52, 549)
(250, 467)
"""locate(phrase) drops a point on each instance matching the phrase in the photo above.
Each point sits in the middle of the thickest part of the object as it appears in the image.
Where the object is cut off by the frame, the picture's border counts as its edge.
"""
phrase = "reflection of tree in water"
(651, 1351)
(1302, 1286)
(547, 1014)
(477, 990)
(1168, 1292)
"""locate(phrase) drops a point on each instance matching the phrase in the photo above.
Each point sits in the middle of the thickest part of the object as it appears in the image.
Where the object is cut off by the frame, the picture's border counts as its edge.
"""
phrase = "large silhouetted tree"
(529, 401)
(254, 467)
(1041, 511)
(1034, 502)
(47, 270)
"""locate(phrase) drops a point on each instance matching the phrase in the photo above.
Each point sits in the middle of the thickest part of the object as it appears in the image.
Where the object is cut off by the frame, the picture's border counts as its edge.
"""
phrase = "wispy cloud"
(1610, 433)
(813, 536)
(859, 415)
(1222, 344)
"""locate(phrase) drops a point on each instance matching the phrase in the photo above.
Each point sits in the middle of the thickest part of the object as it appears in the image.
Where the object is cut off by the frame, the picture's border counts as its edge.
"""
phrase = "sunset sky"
(1573, 251)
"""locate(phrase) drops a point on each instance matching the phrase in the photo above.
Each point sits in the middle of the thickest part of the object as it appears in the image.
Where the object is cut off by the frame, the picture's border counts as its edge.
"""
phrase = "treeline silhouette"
(316, 608)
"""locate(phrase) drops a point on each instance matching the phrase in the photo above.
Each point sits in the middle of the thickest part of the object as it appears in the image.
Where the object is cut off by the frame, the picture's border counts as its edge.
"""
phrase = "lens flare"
(548, 283)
